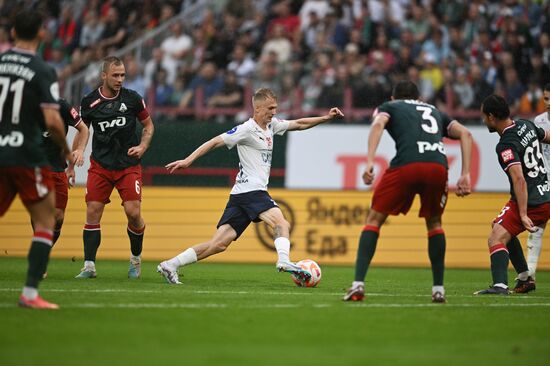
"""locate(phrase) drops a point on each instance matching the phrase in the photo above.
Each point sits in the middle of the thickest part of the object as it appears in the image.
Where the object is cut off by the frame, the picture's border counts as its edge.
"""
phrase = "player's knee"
(220, 245)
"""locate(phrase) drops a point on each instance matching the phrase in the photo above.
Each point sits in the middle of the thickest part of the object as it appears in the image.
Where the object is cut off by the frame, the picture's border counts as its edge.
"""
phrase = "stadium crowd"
(312, 53)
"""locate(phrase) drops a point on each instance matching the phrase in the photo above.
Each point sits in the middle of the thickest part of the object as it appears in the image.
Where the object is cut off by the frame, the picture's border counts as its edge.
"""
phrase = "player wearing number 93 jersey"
(520, 156)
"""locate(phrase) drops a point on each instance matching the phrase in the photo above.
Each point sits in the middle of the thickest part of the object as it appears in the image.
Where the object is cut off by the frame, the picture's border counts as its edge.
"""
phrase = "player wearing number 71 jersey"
(519, 154)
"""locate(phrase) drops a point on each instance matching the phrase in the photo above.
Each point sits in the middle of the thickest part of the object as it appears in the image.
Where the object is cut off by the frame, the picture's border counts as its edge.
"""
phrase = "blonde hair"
(263, 94)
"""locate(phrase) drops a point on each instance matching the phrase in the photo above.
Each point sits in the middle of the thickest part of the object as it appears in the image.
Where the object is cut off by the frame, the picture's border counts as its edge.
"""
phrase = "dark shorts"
(61, 189)
(395, 192)
(101, 182)
(244, 208)
(510, 220)
(32, 184)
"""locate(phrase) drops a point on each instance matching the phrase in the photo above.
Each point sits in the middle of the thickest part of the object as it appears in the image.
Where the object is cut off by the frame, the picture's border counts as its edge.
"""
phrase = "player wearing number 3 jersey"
(419, 167)
(113, 112)
(520, 156)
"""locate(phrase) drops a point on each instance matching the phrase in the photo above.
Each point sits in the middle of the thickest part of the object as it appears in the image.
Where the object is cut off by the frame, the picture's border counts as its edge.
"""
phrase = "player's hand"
(335, 112)
(528, 224)
(178, 164)
(368, 175)
(136, 151)
(463, 186)
(70, 175)
(78, 157)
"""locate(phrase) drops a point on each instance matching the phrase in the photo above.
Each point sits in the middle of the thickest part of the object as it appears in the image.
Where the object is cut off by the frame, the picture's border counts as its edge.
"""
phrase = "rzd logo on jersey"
(424, 146)
(118, 122)
(15, 139)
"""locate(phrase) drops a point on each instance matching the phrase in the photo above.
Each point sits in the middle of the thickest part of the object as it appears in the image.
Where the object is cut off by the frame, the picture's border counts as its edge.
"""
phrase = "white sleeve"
(236, 135)
(279, 126)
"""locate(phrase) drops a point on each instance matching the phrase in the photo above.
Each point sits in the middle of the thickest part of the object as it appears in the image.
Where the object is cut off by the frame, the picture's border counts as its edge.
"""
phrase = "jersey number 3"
(17, 89)
(431, 125)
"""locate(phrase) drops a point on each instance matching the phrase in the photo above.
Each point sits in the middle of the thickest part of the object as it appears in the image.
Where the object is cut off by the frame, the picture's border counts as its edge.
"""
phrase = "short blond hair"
(263, 94)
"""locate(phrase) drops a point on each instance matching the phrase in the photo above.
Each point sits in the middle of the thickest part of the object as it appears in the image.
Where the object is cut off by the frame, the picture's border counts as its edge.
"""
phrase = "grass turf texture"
(243, 314)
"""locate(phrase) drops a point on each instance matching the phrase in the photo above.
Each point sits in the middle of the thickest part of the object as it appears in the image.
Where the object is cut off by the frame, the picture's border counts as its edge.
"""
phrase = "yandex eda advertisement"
(334, 158)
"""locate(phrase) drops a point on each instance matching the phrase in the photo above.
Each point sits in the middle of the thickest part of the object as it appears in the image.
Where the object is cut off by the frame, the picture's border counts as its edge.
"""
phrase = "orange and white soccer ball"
(313, 268)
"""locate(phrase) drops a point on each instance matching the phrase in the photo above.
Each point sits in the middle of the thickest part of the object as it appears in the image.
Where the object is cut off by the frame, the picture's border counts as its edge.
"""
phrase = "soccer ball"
(313, 268)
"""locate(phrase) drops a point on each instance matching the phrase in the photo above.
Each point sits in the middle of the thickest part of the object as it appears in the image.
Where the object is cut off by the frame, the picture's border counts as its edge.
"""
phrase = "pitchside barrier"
(325, 227)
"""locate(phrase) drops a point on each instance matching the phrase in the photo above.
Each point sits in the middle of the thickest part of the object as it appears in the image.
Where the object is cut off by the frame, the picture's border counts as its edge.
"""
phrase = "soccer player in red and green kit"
(519, 153)
(419, 167)
(29, 95)
(114, 113)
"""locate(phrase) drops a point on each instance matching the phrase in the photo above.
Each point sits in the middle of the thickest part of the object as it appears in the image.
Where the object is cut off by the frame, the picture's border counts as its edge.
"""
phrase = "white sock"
(523, 276)
(534, 246)
(356, 284)
(500, 285)
(282, 245)
(135, 258)
(186, 257)
(438, 289)
(89, 265)
(30, 292)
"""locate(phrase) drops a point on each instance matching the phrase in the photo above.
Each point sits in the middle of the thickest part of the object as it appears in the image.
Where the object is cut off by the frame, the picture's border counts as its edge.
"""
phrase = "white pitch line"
(182, 289)
(275, 306)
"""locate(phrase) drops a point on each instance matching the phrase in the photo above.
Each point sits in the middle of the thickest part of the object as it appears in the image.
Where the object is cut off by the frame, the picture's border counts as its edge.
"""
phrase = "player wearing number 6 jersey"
(520, 156)
(419, 167)
(113, 112)
(534, 242)
(28, 106)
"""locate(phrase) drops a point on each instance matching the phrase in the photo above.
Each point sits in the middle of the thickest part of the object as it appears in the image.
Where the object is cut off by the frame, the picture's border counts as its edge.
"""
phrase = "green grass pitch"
(244, 314)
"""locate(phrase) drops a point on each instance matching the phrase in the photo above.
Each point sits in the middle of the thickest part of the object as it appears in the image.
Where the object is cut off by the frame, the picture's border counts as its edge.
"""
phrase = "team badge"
(507, 155)
(232, 131)
(123, 108)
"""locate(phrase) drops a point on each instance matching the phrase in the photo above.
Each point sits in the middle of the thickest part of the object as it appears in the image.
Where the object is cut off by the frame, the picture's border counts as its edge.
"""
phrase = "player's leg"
(391, 196)
(135, 230)
(534, 247)
(524, 283)
(499, 261)
(129, 188)
(91, 236)
(222, 238)
(61, 197)
(436, 252)
(99, 186)
(42, 215)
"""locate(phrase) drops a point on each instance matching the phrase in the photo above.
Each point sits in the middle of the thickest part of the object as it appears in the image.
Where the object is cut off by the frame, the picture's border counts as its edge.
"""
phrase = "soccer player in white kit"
(249, 200)
(534, 242)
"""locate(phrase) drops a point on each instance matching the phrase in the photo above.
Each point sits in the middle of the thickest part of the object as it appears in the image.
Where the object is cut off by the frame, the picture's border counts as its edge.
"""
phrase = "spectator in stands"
(431, 78)
(418, 23)
(151, 67)
(241, 64)
(175, 48)
(134, 78)
(163, 89)
(114, 33)
(57, 59)
(436, 46)
(279, 44)
(67, 30)
(337, 30)
(208, 81)
(311, 85)
(482, 89)
(231, 94)
(532, 101)
(513, 88)
(179, 89)
(92, 30)
(463, 90)
(539, 70)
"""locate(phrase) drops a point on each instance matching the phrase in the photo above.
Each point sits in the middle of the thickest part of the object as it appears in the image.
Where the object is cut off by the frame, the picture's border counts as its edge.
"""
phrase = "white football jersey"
(255, 147)
(542, 121)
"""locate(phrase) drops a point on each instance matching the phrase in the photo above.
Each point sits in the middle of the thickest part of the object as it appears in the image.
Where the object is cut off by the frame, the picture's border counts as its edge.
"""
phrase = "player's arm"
(376, 130)
(55, 126)
(457, 131)
(520, 189)
(200, 151)
(146, 136)
(308, 122)
(79, 143)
